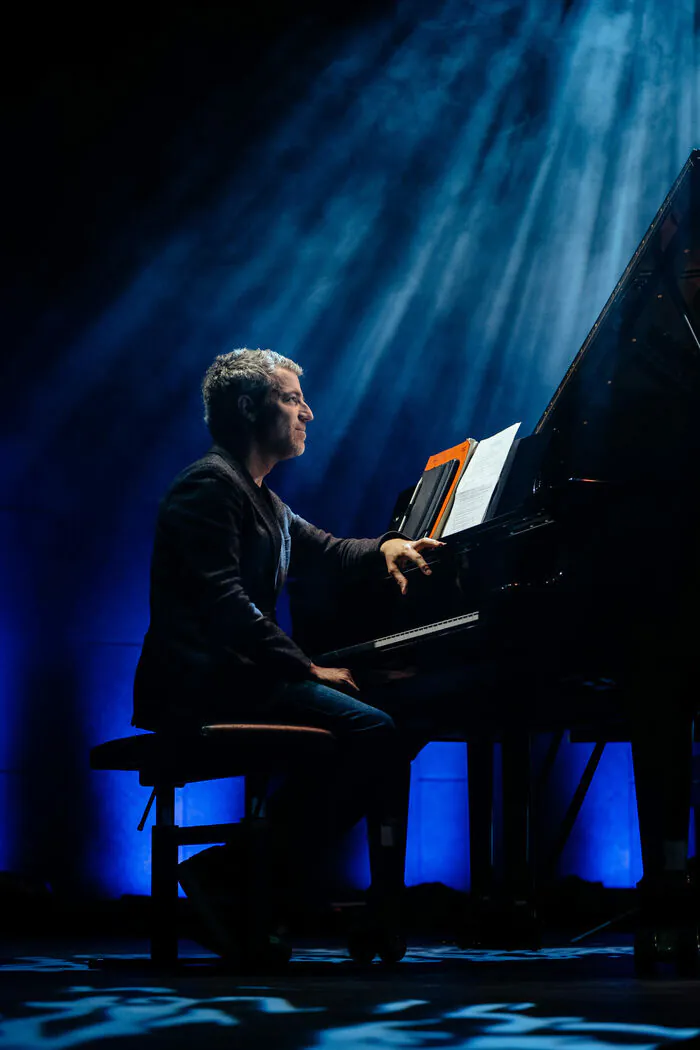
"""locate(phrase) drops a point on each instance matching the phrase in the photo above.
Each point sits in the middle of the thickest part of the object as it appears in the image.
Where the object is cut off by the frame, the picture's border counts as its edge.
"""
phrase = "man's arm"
(204, 516)
(314, 549)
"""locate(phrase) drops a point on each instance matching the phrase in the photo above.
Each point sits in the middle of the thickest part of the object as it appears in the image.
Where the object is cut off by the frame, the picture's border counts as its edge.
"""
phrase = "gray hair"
(239, 372)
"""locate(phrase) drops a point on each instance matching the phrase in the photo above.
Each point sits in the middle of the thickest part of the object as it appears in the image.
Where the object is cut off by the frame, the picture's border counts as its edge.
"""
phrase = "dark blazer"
(223, 549)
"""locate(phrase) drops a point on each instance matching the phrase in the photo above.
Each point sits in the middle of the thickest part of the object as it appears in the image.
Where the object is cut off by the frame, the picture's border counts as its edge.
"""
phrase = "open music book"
(457, 486)
(477, 484)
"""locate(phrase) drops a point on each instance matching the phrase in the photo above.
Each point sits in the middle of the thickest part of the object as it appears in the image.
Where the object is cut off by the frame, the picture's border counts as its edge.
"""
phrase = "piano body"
(576, 597)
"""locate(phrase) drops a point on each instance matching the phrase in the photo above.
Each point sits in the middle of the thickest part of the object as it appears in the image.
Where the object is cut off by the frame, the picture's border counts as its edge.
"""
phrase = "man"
(214, 651)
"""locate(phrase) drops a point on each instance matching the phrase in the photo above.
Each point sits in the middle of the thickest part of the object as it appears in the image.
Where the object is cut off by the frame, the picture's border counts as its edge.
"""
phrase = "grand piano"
(573, 606)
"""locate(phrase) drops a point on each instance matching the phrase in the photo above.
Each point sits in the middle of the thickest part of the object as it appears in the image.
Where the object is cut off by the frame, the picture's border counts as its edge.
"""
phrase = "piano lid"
(628, 408)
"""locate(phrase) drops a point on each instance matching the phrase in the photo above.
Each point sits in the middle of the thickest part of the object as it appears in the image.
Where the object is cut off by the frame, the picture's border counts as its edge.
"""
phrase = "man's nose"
(306, 412)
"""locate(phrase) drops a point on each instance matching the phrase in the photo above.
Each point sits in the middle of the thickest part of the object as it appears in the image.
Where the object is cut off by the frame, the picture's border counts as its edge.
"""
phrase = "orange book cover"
(460, 452)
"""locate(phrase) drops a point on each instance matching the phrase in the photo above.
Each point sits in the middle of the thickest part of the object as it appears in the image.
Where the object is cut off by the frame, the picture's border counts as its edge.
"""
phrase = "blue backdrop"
(427, 211)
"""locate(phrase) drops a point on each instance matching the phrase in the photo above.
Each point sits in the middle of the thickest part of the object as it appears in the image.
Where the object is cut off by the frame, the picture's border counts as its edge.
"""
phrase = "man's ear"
(247, 408)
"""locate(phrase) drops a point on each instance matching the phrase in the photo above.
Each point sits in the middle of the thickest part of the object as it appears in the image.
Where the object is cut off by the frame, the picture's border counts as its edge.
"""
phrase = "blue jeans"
(368, 776)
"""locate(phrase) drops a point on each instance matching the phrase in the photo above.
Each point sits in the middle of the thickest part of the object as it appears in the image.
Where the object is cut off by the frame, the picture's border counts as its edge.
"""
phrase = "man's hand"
(335, 678)
(400, 553)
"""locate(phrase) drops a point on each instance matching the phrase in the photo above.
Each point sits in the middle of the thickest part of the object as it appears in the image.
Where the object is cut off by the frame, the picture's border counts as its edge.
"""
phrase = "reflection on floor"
(574, 998)
(435, 954)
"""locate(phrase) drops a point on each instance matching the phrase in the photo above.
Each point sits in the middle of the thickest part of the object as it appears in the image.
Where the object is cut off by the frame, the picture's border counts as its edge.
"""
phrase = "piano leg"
(504, 916)
(662, 754)
(662, 748)
(518, 883)
(517, 878)
(480, 788)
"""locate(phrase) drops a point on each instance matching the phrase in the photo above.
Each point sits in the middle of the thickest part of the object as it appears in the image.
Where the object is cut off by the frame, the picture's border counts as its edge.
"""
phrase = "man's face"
(282, 421)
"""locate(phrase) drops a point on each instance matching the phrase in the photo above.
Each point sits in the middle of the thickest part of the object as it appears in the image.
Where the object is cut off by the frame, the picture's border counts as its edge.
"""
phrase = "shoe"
(378, 930)
(234, 911)
(501, 923)
(214, 885)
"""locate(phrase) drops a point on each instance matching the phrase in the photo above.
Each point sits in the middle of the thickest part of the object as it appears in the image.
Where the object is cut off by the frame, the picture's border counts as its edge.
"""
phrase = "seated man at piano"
(224, 545)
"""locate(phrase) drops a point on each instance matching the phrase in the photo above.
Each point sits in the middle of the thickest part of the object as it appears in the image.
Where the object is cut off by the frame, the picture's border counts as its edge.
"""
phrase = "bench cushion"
(215, 751)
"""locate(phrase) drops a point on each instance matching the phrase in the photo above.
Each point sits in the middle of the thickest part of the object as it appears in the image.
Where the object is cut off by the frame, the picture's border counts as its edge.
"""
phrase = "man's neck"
(258, 464)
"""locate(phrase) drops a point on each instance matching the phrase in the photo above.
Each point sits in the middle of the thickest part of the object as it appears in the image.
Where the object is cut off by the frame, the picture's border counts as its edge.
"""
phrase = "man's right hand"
(335, 678)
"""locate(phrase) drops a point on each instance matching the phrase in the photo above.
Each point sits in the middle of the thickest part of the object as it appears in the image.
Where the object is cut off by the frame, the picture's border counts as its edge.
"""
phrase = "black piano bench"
(165, 763)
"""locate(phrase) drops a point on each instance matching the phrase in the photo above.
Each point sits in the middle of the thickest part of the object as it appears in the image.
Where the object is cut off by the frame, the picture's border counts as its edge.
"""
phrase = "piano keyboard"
(441, 627)
(402, 637)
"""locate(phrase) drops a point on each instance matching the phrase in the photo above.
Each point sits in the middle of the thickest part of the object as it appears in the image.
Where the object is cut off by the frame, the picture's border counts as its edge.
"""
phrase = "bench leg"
(164, 857)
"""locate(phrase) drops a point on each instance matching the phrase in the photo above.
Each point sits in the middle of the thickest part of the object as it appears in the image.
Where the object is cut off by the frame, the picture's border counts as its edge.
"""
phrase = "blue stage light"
(432, 236)
(431, 232)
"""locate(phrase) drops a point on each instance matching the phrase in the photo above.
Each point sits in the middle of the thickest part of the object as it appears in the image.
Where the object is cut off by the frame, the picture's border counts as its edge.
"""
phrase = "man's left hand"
(401, 553)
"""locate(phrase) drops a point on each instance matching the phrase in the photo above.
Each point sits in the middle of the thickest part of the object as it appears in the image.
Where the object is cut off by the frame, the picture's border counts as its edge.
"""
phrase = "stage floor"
(577, 998)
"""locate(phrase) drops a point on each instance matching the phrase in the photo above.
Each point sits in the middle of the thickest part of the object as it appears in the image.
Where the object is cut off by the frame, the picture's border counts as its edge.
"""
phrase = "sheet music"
(479, 481)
